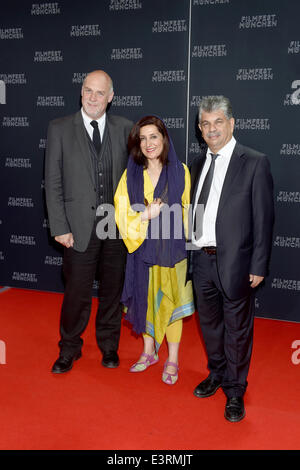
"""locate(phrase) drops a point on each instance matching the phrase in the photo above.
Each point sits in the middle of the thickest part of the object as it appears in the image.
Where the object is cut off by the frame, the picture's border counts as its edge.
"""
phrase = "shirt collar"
(87, 120)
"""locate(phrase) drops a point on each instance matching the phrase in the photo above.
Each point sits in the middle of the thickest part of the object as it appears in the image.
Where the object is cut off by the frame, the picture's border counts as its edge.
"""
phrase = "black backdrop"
(163, 56)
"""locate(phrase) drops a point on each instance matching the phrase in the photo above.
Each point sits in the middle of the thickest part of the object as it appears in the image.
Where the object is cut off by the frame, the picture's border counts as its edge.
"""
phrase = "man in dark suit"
(85, 157)
(231, 244)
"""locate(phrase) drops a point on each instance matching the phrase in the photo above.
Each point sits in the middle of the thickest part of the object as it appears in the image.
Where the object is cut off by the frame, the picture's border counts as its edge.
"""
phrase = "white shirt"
(87, 124)
(208, 237)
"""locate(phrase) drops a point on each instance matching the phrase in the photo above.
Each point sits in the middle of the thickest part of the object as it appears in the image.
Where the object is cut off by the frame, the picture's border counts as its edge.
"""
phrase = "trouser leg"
(174, 332)
(209, 304)
(111, 270)
(238, 341)
(79, 270)
(227, 326)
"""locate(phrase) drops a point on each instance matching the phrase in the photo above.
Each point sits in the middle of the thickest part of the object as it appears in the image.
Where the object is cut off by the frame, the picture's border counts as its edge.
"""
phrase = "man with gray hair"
(231, 243)
(85, 157)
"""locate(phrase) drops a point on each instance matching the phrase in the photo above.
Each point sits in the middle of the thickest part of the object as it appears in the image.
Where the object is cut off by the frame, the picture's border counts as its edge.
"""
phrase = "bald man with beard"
(86, 155)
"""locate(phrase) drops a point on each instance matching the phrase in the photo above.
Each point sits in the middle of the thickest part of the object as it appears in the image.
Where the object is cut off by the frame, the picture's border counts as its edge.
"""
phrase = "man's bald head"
(96, 93)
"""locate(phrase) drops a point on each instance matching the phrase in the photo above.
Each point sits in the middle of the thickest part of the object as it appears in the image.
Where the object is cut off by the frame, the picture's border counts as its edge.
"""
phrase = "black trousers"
(105, 260)
(227, 326)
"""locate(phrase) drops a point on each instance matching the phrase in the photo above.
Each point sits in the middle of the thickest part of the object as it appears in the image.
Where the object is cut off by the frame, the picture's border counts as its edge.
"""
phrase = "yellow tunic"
(169, 299)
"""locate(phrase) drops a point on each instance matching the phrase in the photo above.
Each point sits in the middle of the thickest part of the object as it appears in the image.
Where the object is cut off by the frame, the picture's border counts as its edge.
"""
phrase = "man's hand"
(255, 280)
(66, 240)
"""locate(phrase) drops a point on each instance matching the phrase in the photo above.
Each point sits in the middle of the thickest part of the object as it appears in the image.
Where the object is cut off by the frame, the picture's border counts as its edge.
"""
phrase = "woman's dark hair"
(134, 141)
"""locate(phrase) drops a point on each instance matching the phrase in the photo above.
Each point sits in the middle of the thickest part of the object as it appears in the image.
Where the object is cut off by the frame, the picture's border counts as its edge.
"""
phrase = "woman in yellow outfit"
(151, 200)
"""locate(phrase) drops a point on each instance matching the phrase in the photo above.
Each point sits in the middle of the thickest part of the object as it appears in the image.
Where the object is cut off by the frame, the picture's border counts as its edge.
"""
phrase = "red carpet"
(96, 408)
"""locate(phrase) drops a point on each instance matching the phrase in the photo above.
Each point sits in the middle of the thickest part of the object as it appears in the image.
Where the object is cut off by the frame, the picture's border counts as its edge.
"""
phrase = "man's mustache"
(213, 134)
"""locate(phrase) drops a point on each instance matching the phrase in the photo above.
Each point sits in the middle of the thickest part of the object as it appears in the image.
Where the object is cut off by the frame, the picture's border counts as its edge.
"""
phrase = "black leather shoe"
(207, 388)
(110, 359)
(65, 363)
(234, 409)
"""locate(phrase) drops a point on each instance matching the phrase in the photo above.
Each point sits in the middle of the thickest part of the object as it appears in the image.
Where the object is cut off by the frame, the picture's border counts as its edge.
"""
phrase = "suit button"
(93, 208)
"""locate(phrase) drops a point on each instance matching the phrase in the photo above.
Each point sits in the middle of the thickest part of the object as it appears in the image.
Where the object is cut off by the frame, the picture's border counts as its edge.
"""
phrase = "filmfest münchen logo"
(24, 277)
(169, 26)
(196, 148)
(252, 124)
(20, 202)
(256, 74)
(258, 21)
(294, 47)
(174, 122)
(18, 121)
(285, 284)
(13, 78)
(287, 242)
(46, 223)
(54, 260)
(196, 99)
(290, 150)
(48, 56)
(168, 76)
(123, 5)
(288, 196)
(22, 240)
(14, 162)
(38, 9)
(211, 50)
(11, 33)
(78, 77)
(127, 101)
(51, 101)
(131, 53)
(85, 30)
(42, 144)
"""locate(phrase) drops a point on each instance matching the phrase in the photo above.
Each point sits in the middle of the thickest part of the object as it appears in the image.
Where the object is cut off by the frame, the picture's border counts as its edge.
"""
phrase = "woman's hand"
(152, 210)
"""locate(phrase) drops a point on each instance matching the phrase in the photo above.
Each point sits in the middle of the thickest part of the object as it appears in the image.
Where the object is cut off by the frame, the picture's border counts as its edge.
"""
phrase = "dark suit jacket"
(244, 219)
(69, 174)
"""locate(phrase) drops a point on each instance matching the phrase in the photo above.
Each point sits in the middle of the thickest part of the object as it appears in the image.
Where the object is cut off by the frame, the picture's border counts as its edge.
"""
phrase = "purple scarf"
(161, 252)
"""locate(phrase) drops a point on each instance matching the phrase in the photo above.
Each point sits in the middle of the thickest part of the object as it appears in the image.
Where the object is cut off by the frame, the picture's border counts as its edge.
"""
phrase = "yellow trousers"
(173, 332)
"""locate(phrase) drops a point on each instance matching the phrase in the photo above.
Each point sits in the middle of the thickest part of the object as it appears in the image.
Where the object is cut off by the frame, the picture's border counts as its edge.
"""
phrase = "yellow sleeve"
(131, 228)
(186, 199)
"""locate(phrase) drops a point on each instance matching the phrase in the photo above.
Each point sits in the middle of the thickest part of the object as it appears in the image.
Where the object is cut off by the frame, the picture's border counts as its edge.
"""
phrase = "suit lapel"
(115, 146)
(81, 136)
(236, 162)
(195, 176)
